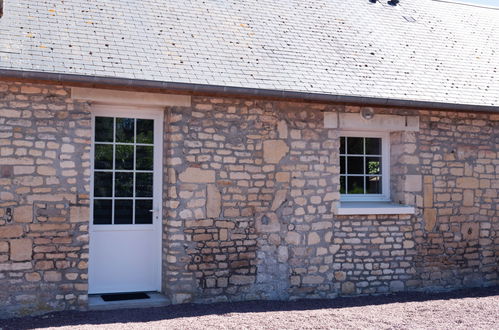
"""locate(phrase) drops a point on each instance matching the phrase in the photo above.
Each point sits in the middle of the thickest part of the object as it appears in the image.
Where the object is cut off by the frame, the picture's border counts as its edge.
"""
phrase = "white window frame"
(385, 167)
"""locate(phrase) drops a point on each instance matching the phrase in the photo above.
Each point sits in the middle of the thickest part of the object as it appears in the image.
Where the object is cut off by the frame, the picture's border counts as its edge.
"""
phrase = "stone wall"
(253, 185)
(44, 196)
(251, 189)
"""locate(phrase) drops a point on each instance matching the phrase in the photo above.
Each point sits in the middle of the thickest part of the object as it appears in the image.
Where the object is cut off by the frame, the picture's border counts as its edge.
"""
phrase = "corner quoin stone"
(274, 151)
(197, 175)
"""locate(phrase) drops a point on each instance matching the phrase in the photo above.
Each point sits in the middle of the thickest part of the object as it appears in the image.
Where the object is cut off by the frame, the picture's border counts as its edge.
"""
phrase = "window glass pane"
(355, 165)
(355, 184)
(342, 164)
(343, 184)
(355, 145)
(373, 146)
(342, 145)
(125, 128)
(103, 212)
(123, 185)
(143, 215)
(145, 130)
(144, 158)
(103, 184)
(104, 156)
(124, 157)
(143, 185)
(123, 212)
(373, 165)
(104, 129)
(373, 185)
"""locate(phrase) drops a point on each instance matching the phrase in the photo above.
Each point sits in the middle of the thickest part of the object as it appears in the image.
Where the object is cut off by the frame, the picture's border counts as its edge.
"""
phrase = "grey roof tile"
(420, 50)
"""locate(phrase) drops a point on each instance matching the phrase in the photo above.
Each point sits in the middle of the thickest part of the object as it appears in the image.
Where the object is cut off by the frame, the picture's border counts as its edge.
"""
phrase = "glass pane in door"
(123, 171)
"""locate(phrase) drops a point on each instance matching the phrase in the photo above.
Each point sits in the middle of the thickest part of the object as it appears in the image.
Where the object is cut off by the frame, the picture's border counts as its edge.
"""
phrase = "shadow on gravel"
(75, 318)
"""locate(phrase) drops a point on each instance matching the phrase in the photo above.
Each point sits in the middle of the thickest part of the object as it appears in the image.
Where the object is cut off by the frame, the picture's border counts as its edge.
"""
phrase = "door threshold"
(156, 299)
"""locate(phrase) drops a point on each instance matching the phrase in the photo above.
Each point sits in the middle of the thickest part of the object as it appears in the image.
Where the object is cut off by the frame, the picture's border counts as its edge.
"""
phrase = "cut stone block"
(214, 202)
(197, 175)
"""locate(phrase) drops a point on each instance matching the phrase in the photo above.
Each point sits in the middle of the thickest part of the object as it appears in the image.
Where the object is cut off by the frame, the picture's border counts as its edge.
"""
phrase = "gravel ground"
(464, 309)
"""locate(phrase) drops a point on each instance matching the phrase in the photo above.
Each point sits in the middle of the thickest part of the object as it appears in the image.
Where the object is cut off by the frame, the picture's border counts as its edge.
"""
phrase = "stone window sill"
(369, 208)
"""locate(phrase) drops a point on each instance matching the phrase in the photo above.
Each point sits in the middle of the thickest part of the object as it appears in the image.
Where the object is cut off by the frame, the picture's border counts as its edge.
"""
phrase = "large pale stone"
(12, 231)
(23, 213)
(274, 151)
(214, 201)
(197, 175)
(21, 249)
(279, 199)
(430, 219)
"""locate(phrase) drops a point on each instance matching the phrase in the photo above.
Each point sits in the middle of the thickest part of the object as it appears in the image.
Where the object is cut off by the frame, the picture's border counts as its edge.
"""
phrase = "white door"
(125, 222)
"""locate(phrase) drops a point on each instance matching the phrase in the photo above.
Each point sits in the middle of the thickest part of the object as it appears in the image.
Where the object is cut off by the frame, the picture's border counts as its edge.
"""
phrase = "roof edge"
(216, 90)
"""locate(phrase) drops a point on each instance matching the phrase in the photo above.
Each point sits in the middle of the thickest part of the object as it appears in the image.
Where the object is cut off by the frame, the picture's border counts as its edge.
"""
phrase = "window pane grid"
(114, 166)
(361, 173)
(127, 201)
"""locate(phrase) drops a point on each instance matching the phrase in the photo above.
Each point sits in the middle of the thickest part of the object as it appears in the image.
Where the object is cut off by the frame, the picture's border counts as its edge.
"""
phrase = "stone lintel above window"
(378, 122)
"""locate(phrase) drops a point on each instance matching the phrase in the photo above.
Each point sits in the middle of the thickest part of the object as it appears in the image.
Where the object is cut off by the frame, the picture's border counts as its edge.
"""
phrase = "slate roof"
(420, 50)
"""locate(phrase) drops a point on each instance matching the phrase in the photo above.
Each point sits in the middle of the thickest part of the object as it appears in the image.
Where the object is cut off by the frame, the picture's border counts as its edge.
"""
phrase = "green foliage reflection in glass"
(360, 164)
(118, 143)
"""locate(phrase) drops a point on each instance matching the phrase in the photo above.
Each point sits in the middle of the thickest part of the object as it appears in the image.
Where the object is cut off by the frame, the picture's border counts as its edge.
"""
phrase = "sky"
(494, 3)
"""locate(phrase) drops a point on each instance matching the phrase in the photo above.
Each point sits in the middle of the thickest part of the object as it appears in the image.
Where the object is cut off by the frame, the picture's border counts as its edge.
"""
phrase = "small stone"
(282, 129)
(313, 238)
(348, 288)
(340, 276)
(283, 176)
(396, 286)
(33, 277)
(242, 279)
(293, 238)
(267, 223)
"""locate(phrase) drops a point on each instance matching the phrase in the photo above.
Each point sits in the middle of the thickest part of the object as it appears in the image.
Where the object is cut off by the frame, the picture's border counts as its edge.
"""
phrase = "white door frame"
(140, 112)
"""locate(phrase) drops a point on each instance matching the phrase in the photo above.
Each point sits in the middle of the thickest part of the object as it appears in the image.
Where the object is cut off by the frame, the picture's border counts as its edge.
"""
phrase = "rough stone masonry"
(250, 191)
